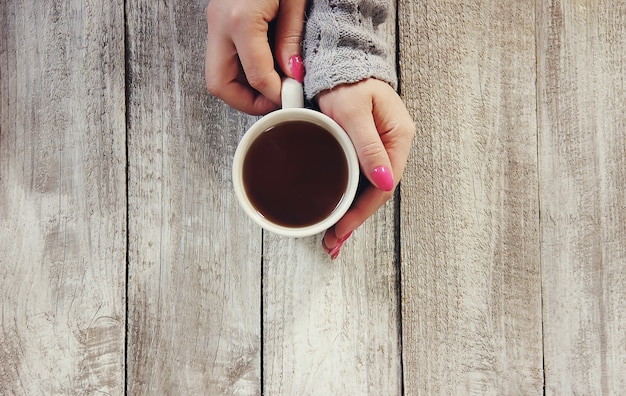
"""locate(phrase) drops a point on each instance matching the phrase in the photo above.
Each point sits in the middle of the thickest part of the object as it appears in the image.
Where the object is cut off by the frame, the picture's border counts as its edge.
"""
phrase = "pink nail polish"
(383, 178)
(345, 237)
(334, 252)
(296, 65)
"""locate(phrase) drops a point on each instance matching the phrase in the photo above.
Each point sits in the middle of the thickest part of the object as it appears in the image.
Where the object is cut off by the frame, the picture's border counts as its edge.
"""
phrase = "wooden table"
(126, 265)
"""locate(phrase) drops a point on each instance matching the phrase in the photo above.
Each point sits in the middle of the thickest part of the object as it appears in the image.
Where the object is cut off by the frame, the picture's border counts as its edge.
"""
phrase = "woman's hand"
(239, 65)
(381, 129)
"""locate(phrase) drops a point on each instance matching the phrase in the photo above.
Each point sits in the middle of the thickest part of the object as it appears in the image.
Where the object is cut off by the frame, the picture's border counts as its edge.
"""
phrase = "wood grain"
(582, 118)
(514, 198)
(194, 272)
(62, 197)
(332, 327)
(469, 223)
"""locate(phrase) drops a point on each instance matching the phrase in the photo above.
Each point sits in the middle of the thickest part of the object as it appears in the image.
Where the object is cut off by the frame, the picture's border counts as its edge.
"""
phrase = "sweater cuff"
(346, 67)
(341, 45)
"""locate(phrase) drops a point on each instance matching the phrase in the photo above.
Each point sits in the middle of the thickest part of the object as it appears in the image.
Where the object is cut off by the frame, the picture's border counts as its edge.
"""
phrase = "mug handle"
(292, 94)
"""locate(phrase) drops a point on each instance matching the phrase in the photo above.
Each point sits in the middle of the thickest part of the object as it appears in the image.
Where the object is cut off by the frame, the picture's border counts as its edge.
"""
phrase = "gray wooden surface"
(126, 265)
(469, 223)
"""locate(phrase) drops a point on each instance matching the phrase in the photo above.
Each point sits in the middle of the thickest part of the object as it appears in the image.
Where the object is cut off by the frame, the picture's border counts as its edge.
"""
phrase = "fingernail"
(345, 237)
(334, 252)
(383, 178)
(296, 65)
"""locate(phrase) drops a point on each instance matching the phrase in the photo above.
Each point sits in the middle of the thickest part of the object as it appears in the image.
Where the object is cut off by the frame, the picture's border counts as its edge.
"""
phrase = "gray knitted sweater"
(341, 44)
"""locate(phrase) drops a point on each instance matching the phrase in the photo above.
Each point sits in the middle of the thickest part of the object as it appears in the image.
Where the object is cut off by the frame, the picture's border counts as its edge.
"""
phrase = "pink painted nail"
(383, 178)
(296, 65)
(334, 252)
(345, 237)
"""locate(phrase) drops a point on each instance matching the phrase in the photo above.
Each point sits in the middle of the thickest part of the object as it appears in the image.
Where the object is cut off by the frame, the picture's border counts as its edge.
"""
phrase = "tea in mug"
(295, 173)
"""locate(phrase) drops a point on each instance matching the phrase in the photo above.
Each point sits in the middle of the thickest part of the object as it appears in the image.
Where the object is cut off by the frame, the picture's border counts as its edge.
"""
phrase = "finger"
(223, 63)
(222, 74)
(366, 205)
(375, 163)
(288, 38)
(223, 70)
(396, 128)
(257, 60)
(371, 199)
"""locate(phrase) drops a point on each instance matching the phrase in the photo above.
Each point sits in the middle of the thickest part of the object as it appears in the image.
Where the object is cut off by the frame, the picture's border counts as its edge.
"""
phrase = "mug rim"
(286, 115)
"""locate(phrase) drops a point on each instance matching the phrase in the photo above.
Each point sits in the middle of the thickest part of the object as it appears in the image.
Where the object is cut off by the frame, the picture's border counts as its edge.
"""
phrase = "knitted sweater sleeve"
(342, 45)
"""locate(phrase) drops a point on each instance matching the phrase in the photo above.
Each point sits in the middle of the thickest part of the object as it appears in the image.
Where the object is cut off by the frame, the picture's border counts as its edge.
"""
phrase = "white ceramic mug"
(292, 110)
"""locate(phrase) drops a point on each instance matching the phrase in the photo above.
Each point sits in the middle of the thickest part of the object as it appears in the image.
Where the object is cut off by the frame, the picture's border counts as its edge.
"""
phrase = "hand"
(239, 65)
(381, 129)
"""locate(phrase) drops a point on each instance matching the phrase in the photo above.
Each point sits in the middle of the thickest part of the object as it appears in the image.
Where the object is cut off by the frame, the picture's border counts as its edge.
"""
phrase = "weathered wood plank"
(332, 327)
(582, 119)
(194, 274)
(471, 310)
(62, 197)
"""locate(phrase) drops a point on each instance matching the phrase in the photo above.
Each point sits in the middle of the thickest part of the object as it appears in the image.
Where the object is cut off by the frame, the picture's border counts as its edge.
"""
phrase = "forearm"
(342, 44)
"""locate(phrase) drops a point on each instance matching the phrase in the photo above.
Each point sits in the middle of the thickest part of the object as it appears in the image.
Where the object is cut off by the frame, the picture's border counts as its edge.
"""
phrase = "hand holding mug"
(381, 129)
(239, 65)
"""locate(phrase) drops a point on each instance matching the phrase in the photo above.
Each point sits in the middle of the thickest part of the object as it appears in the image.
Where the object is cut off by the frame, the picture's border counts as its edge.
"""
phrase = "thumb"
(357, 120)
(288, 39)
(353, 107)
(373, 157)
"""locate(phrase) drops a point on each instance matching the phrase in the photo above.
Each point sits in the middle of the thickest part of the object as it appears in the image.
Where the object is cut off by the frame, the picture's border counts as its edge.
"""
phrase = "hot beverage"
(295, 170)
(295, 173)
